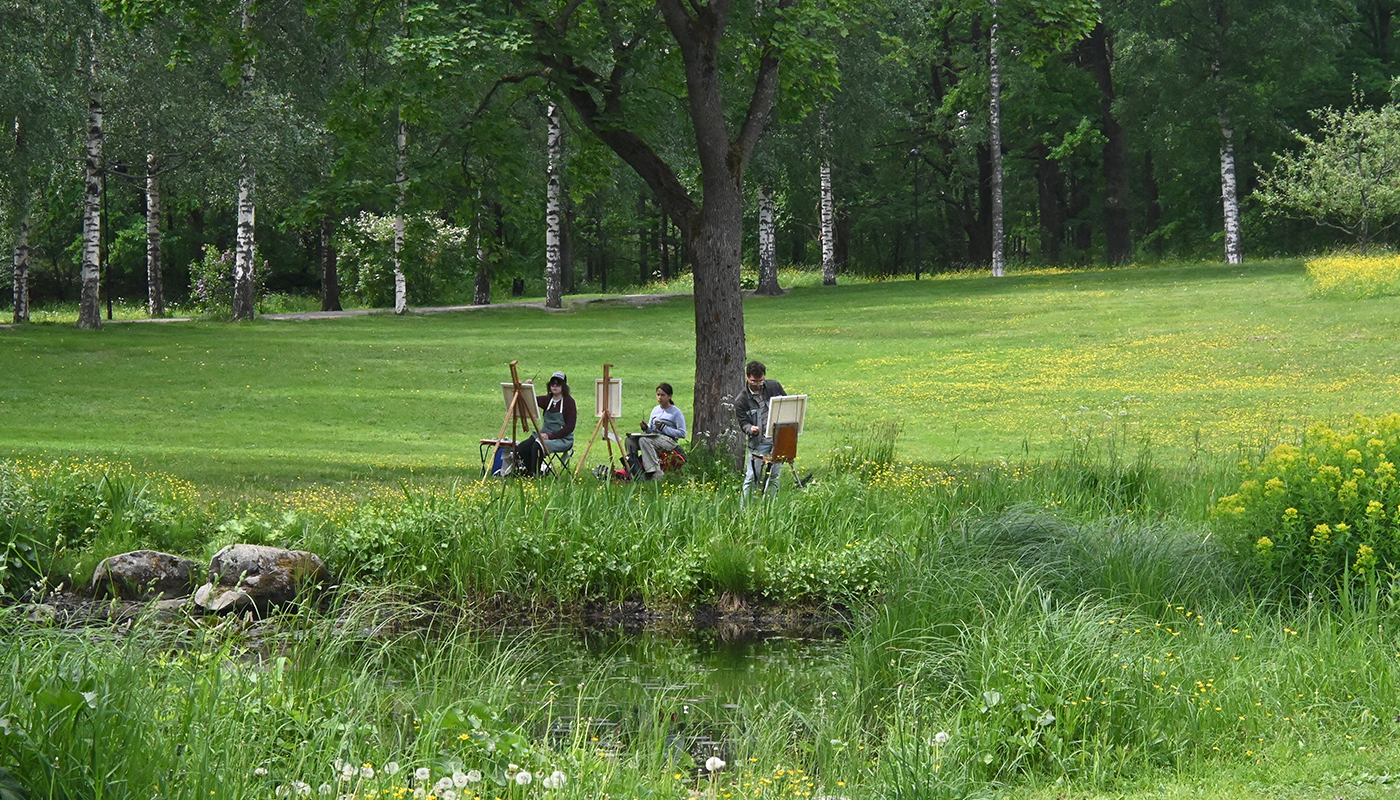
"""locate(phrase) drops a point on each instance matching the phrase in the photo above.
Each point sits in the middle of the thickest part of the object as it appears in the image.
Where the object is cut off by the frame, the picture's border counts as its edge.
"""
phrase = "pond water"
(699, 691)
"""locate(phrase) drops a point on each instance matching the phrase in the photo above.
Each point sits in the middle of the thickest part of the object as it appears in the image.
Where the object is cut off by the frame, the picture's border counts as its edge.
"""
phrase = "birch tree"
(401, 186)
(994, 129)
(244, 303)
(554, 209)
(89, 312)
(828, 225)
(21, 280)
(767, 244)
(155, 292)
(1229, 191)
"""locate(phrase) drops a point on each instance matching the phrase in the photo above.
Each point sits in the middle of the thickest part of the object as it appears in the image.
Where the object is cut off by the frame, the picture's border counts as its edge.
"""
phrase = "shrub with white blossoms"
(435, 253)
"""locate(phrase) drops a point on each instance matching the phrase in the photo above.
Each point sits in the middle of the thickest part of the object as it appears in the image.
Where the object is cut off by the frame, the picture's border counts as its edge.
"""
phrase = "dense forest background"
(1114, 116)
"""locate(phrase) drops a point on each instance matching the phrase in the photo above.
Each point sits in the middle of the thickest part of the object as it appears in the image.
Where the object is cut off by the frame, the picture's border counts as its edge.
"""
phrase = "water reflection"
(695, 695)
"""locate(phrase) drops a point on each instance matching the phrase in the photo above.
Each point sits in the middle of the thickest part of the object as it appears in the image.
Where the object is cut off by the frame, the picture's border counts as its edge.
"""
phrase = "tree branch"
(760, 104)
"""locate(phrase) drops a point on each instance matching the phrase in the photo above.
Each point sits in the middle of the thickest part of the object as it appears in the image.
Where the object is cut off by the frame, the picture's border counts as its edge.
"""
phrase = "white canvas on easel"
(527, 399)
(787, 410)
(614, 397)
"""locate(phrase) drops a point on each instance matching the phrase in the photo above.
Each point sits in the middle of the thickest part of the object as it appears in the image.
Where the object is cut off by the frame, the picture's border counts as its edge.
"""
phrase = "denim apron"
(554, 421)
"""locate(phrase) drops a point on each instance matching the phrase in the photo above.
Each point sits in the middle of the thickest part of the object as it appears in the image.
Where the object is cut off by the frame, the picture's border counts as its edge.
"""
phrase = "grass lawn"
(972, 368)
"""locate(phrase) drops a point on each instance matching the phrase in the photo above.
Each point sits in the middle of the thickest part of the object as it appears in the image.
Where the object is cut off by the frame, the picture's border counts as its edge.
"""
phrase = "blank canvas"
(788, 410)
(527, 396)
(614, 397)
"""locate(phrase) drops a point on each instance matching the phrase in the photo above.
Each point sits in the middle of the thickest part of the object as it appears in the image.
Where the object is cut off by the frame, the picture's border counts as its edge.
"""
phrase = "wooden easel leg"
(579, 469)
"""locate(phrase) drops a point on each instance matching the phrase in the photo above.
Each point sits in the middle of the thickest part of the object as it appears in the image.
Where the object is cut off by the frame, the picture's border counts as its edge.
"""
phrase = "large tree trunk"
(665, 245)
(1081, 233)
(22, 266)
(1051, 185)
(1118, 233)
(566, 249)
(994, 77)
(330, 275)
(767, 244)
(244, 300)
(482, 290)
(643, 241)
(155, 291)
(401, 185)
(1154, 205)
(1234, 248)
(828, 226)
(89, 311)
(719, 306)
(554, 211)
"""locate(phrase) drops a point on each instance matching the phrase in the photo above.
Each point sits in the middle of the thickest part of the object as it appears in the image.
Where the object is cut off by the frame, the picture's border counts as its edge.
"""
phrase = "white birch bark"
(767, 244)
(89, 314)
(245, 244)
(21, 283)
(243, 278)
(482, 293)
(401, 183)
(998, 222)
(1229, 194)
(155, 293)
(828, 222)
(554, 211)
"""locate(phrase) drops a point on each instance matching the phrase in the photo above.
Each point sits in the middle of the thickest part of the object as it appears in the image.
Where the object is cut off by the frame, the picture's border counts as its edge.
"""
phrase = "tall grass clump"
(1100, 692)
(1355, 275)
(59, 518)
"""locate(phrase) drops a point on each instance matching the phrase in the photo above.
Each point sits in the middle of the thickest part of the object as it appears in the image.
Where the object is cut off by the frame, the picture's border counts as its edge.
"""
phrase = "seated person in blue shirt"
(662, 431)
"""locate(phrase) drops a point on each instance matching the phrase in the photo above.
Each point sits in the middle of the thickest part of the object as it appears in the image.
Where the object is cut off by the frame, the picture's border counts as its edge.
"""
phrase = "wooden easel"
(516, 411)
(606, 424)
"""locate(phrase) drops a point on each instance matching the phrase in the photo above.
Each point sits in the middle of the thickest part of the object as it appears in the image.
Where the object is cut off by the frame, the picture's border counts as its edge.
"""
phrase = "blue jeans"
(753, 473)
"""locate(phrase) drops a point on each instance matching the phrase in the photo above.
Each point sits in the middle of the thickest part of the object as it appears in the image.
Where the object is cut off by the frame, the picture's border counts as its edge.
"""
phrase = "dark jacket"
(748, 410)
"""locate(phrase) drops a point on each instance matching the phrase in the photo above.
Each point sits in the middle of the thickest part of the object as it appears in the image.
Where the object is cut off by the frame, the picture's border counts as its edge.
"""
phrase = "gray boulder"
(145, 575)
(257, 577)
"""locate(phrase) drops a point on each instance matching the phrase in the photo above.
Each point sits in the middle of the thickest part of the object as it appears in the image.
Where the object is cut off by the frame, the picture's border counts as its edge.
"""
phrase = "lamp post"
(918, 261)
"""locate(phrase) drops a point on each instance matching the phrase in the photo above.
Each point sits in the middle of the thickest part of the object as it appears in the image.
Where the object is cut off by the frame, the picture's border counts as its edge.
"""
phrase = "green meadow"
(1188, 358)
(1035, 590)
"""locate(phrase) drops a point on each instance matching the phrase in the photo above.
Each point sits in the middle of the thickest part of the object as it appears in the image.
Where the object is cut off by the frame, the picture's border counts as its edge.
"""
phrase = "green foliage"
(1347, 174)
(1324, 511)
(58, 520)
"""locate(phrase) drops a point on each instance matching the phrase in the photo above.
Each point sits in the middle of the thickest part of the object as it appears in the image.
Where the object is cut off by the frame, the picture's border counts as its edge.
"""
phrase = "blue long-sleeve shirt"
(668, 422)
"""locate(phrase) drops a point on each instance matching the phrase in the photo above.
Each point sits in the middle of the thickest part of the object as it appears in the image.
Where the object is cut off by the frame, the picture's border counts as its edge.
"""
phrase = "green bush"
(1312, 513)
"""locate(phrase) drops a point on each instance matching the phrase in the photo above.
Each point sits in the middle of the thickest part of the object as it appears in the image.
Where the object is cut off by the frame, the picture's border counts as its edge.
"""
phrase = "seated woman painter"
(662, 431)
(558, 415)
